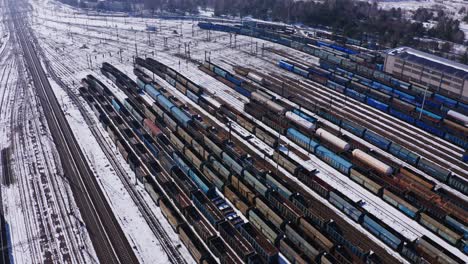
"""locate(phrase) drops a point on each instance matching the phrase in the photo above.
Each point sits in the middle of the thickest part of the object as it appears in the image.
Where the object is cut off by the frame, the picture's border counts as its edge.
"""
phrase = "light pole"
(423, 102)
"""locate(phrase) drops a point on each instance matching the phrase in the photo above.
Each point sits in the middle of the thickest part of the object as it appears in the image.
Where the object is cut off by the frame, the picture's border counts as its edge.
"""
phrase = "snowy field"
(43, 221)
(74, 45)
(450, 7)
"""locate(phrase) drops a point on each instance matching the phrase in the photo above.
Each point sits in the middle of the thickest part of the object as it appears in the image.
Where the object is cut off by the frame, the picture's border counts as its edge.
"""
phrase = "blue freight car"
(202, 183)
(141, 84)
(355, 94)
(335, 86)
(255, 183)
(379, 105)
(181, 163)
(242, 91)
(353, 128)
(456, 140)
(333, 160)
(305, 116)
(232, 164)
(377, 140)
(220, 71)
(401, 116)
(234, 80)
(326, 65)
(116, 104)
(458, 183)
(362, 80)
(205, 25)
(404, 96)
(301, 139)
(429, 128)
(180, 116)
(404, 154)
(202, 203)
(345, 205)
(344, 73)
(381, 87)
(150, 144)
(192, 96)
(429, 114)
(285, 65)
(276, 185)
(165, 103)
(457, 225)
(152, 91)
(380, 231)
(461, 107)
(434, 170)
(301, 72)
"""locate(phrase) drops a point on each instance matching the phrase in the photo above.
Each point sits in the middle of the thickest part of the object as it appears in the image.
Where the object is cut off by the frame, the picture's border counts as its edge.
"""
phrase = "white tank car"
(332, 139)
(259, 97)
(255, 77)
(370, 161)
(463, 119)
(274, 107)
(300, 121)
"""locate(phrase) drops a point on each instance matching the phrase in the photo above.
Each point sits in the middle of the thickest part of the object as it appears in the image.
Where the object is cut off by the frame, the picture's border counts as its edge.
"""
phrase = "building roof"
(431, 61)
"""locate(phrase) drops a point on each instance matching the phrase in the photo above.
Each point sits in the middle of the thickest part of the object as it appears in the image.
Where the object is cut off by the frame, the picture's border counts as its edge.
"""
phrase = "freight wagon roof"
(447, 66)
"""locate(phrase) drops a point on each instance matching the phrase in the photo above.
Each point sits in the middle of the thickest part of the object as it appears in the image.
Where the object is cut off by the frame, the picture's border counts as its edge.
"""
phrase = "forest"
(351, 18)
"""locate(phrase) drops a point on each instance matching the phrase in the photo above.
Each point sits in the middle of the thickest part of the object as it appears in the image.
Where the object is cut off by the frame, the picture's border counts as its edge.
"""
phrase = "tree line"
(350, 18)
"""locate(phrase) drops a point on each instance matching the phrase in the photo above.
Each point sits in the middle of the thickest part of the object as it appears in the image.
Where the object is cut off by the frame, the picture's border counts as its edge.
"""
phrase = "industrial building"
(436, 73)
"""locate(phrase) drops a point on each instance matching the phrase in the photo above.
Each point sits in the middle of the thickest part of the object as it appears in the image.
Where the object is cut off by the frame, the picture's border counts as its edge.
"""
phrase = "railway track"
(441, 152)
(108, 238)
(370, 118)
(391, 217)
(153, 222)
(328, 213)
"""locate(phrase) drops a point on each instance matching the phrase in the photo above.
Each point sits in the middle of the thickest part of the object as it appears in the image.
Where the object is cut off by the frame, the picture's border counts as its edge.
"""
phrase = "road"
(108, 239)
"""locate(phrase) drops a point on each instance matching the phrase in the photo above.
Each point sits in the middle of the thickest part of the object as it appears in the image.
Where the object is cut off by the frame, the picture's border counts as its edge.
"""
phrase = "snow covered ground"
(70, 68)
(450, 7)
(43, 220)
(76, 45)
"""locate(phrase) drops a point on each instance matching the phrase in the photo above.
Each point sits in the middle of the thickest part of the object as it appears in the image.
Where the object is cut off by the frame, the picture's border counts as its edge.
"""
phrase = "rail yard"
(225, 141)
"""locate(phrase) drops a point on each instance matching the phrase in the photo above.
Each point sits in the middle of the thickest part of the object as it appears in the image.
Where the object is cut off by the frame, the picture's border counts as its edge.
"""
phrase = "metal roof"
(448, 67)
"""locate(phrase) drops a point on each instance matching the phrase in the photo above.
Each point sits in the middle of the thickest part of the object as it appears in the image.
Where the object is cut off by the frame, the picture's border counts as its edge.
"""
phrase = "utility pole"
(423, 102)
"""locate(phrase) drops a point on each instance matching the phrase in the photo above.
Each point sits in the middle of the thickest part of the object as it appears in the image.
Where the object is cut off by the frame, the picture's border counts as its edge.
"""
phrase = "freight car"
(194, 245)
(386, 98)
(365, 158)
(439, 173)
(353, 63)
